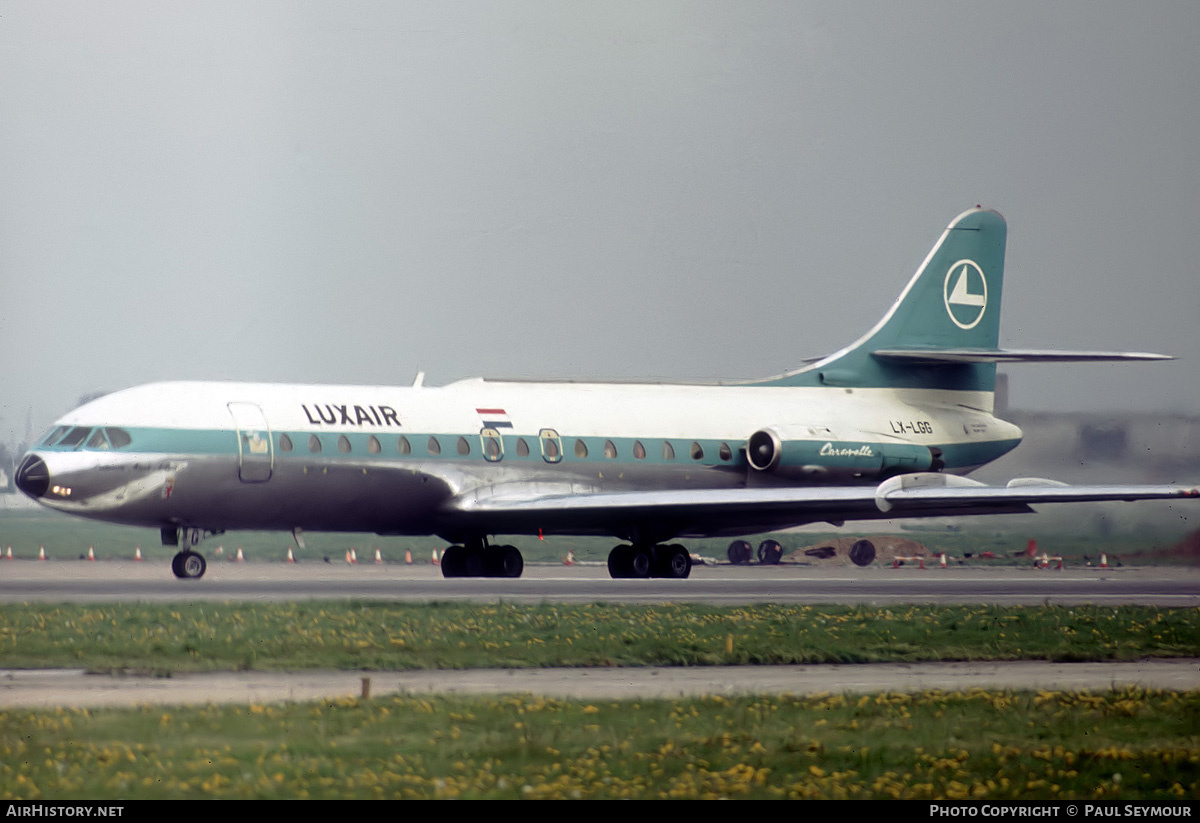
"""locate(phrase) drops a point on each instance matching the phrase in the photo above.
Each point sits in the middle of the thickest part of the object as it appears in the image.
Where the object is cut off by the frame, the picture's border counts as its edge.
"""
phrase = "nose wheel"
(188, 565)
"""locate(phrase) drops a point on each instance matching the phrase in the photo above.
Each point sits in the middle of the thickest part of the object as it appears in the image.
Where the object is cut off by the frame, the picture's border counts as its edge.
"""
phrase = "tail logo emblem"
(965, 294)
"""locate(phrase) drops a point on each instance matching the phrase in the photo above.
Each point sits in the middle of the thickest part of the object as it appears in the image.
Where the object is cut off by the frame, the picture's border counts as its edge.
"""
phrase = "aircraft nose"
(33, 476)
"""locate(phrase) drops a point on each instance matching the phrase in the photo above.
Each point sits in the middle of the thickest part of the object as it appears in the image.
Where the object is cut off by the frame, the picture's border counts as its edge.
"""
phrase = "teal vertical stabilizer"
(952, 304)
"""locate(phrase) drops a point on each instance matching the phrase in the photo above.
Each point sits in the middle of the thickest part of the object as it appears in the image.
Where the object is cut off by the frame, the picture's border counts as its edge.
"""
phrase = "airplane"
(887, 427)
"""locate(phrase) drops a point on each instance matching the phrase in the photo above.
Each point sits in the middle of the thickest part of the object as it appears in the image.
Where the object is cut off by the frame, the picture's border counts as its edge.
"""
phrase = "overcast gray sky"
(350, 192)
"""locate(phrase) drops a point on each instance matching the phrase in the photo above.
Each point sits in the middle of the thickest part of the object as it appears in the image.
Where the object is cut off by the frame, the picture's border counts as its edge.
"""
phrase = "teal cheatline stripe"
(225, 441)
(711, 452)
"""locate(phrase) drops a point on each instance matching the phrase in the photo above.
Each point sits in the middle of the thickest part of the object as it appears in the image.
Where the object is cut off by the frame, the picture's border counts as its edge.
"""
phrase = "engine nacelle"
(801, 451)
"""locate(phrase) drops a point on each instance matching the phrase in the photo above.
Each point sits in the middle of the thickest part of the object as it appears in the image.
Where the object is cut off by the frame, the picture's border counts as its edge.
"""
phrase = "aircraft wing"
(699, 512)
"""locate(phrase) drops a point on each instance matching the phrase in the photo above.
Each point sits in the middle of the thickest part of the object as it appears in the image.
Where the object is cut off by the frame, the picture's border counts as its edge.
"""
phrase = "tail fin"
(952, 304)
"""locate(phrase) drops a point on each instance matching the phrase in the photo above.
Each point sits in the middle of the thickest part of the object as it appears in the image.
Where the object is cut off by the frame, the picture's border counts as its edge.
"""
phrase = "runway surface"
(108, 581)
(101, 581)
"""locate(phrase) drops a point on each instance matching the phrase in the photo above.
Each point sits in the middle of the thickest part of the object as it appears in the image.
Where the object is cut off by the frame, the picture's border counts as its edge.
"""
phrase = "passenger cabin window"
(639, 451)
(697, 452)
(373, 446)
(580, 449)
(610, 449)
(343, 444)
(285, 443)
(314, 444)
(403, 446)
(463, 447)
(724, 452)
(434, 446)
(522, 448)
(668, 450)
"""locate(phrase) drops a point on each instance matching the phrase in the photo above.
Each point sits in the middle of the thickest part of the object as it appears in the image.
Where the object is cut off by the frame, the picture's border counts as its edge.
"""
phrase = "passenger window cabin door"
(551, 445)
(493, 445)
(256, 453)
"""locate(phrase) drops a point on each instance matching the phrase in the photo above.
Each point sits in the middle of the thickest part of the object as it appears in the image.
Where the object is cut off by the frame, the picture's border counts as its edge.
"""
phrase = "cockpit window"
(75, 436)
(54, 435)
(118, 437)
(98, 440)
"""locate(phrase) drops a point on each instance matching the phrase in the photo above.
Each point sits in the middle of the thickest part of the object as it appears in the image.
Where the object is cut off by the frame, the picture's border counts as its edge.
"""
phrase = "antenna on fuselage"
(419, 380)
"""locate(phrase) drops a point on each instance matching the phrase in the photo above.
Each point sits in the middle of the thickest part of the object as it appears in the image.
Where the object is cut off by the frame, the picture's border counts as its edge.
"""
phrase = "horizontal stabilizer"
(959, 356)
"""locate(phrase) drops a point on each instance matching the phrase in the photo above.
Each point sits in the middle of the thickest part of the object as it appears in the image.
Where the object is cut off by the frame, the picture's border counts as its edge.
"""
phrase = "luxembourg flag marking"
(494, 418)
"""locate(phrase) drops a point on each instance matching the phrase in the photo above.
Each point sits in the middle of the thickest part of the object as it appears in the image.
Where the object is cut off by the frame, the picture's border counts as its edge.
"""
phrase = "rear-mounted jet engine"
(801, 451)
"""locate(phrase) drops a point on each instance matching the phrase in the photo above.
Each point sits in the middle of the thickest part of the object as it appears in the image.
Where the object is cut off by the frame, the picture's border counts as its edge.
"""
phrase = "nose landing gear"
(187, 564)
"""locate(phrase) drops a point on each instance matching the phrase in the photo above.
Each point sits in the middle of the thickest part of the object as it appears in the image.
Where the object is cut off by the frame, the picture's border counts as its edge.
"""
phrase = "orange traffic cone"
(570, 561)
(435, 560)
(353, 555)
(9, 555)
(239, 558)
(408, 556)
(944, 560)
(290, 558)
(378, 556)
(1031, 549)
(41, 552)
(1103, 560)
(137, 554)
(91, 554)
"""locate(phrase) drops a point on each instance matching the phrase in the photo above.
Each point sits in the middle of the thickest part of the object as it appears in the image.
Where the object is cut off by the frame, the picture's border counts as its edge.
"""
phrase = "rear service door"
(256, 453)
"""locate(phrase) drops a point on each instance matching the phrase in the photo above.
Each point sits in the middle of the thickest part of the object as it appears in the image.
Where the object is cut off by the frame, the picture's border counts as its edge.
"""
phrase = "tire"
(739, 552)
(641, 563)
(676, 562)
(189, 565)
(473, 562)
(862, 553)
(452, 562)
(504, 561)
(770, 552)
(618, 561)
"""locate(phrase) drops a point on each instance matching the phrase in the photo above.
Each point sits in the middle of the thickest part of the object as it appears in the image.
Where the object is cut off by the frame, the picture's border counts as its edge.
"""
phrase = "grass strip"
(1128, 744)
(390, 636)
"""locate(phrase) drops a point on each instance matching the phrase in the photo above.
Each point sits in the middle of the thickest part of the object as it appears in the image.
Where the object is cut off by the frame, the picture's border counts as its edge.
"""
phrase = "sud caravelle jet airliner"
(884, 428)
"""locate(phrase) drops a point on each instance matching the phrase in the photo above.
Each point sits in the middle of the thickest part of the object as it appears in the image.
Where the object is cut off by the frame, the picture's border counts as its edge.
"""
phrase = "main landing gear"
(672, 561)
(478, 559)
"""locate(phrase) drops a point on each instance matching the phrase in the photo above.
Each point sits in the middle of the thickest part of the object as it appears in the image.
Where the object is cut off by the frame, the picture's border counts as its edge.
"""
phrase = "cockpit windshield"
(75, 436)
(118, 437)
(54, 435)
(71, 437)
